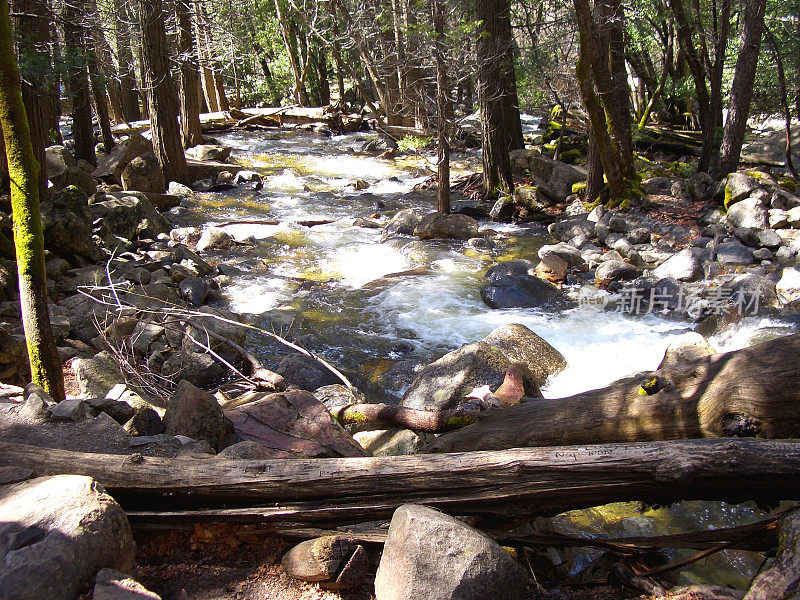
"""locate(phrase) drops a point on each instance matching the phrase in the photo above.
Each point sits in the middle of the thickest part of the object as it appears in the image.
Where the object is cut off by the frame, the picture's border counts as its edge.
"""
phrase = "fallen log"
(519, 482)
(748, 393)
(398, 416)
(782, 579)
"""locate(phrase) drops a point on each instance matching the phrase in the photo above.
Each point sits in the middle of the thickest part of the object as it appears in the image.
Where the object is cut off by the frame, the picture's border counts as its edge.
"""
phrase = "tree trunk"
(751, 392)
(298, 91)
(204, 56)
(28, 238)
(129, 97)
(787, 111)
(191, 133)
(742, 87)
(442, 109)
(101, 104)
(782, 578)
(492, 93)
(520, 482)
(161, 97)
(76, 57)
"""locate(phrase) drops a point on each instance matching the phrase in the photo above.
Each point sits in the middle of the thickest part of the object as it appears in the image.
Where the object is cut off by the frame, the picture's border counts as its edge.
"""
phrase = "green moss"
(728, 197)
(788, 184)
(570, 156)
(580, 187)
(292, 238)
(556, 114)
(413, 143)
(681, 168)
(755, 174)
(356, 417)
(457, 422)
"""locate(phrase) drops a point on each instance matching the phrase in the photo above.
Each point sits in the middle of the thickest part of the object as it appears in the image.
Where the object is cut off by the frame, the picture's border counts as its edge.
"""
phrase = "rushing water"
(323, 285)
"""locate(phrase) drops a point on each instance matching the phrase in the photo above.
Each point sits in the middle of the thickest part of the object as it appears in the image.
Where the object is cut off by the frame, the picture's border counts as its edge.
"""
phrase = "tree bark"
(742, 87)
(443, 110)
(129, 97)
(750, 392)
(191, 132)
(782, 579)
(520, 482)
(161, 96)
(787, 110)
(492, 96)
(23, 170)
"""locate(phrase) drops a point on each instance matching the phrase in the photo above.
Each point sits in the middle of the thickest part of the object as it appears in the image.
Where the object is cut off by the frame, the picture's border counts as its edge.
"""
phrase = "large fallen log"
(512, 482)
(749, 393)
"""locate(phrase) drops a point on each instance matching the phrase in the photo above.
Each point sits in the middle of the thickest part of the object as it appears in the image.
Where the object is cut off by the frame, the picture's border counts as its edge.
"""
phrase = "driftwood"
(512, 482)
(748, 393)
(398, 416)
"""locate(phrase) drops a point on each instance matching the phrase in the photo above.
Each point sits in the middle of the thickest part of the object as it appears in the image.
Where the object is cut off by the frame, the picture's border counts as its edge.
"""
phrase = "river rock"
(513, 284)
(214, 238)
(199, 368)
(197, 414)
(686, 265)
(293, 424)
(71, 409)
(752, 291)
(404, 222)
(738, 187)
(429, 555)
(552, 268)
(390, 442)
(305, 372)
(210, 152)
(568, 229)
(615, 270)
(113, 585)
(749, 212)
(734, 253)
(111, 166)
(687, 347)
(246, 450)
(444, 383)
(503, 210)
(194, 290)
(521, 345)
(56, 533)
(144, 174)
(788, 287)
(332, 562)
(438, 226)
(564, 251)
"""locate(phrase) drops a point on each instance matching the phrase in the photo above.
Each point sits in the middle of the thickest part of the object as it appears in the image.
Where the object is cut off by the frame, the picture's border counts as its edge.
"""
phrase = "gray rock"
(111, 166)
(615, 270)
(305, 372)
(785, 256)
(521, 345)
(567, 229)
(96, 376)
(336, 395)
(36, 408)
(67, 224)
(118, 410)
(734, 253)
(762, 254)
(752, 292)
(429, 555)
(444, 383)
(194, 290)
(144, 174)
(210, 152)
(178, 189)
(71, 409)
(638, 235)
(778, 218)
(130, 216)
(657, 186)
(739, 186)
(684, 266)
(793, 217)
(214, 238)
(503, 210)
(144, 335)
(749, 212)
(513, 284)
(390, 442)
(56, 533)
(198, 368)
(63, 170)
(534, 198)
(564, 251)
(687, 347)
(113, 585)
(441, 226)
(246, 450)
(403, 223)
(197, 414)
(144, 422)
(788, 288)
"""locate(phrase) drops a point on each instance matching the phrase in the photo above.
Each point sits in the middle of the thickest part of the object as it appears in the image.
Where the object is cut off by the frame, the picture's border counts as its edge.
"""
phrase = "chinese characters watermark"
(636, 301)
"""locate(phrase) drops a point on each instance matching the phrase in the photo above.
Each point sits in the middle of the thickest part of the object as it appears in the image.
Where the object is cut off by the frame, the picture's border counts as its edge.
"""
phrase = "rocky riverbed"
(161, 298)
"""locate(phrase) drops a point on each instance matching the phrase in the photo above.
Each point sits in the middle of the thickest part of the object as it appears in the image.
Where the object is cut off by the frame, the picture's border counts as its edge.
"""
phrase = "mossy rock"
(788, 184)
(570, 156)
(579, 188)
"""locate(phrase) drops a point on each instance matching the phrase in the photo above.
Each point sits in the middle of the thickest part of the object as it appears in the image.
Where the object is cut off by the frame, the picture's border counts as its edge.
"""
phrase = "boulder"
(332, 562)
(752, 292)
(131, 217)
(71, 409)
(111, 166)
(246, 450)
(788, 287)
(534, 198)
(56, 533)
(686, 265)
(513, 284)
(552, 268)
(197, 414)
(66, 223)
(568, 229)
(210, 152)
(615, 270)
(429, 555)
(564, 251)
(194, 290)
(390, 442)
(749, 212)
(96, 376)
(144, 174)
(687, 347)
(198, 368)
(521, 345)
(738, 187)
(734, 253)
(214, 238)
(404, 222)
(63, 171)
(305, 372)
(144, 422)
(503, 210)
(443, 384)
(292, 424)
(438, 226)
(113, 585)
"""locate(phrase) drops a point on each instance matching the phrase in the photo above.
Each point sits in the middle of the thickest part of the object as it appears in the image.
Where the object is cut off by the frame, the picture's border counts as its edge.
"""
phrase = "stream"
(322, 285)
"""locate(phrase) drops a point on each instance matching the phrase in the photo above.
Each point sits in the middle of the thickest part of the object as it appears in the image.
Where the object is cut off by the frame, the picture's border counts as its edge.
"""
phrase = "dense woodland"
(133, 394)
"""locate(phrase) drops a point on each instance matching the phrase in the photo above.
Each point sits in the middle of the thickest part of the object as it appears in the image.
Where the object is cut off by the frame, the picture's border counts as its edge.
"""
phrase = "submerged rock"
(437, 226)
(513, 284)
(521, 345)
(429, 555)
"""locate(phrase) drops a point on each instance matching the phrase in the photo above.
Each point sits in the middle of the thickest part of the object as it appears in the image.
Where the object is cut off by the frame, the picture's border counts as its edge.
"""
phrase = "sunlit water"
(323, 284)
